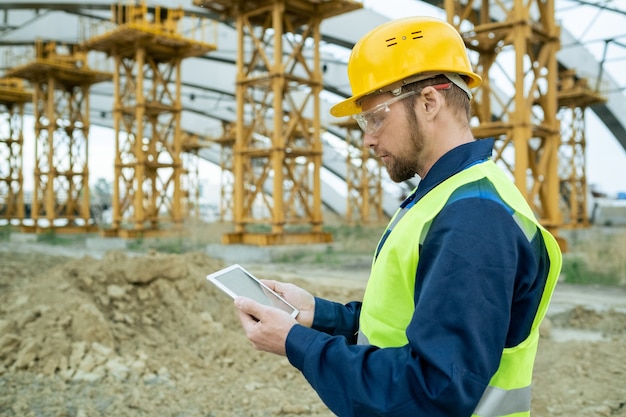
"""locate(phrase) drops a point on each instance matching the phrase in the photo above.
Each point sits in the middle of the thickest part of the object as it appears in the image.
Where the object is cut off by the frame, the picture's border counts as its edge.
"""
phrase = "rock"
(117, 368)
(26, 356)
(116, 292)
(148, 269)
(89, 324)
(27, 317)
(77, 354)
(102, 351)
(87, 376)
(6, 327)
(8, 344)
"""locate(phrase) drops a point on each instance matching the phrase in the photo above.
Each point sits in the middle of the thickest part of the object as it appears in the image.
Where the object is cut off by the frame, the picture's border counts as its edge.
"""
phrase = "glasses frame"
(370, 126)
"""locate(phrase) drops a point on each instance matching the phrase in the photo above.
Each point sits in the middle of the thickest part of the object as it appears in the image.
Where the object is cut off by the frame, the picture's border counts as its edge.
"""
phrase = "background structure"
(167, 80)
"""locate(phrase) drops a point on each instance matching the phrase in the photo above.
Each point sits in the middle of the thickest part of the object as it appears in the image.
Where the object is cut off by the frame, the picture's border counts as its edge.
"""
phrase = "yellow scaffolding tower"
(520, 108)
(13, 96)
(148, 50)
(227, 183)
(364, 202)
(190, 181)
(277, 161)
(61, 79)
(574, 96)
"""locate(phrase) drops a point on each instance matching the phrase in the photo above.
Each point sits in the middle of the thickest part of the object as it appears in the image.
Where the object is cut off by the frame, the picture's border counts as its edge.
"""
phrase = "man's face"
(398, 142)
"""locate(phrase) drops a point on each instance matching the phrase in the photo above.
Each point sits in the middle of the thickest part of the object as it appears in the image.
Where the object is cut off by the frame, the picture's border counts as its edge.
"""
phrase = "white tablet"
(234, 280)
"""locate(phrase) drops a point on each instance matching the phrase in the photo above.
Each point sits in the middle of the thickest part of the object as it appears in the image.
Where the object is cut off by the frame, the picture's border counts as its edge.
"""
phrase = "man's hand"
(266, 327)
(298, 298)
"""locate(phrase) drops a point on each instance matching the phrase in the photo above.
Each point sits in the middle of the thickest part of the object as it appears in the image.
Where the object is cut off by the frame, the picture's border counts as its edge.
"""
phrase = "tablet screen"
(237, 281)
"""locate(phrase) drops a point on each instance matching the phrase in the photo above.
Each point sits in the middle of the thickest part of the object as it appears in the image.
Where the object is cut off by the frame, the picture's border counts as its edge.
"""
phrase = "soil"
(123, 334)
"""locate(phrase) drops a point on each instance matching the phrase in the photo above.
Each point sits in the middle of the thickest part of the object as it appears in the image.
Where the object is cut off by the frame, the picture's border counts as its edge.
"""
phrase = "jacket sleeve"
(337, 319)
(463, 301)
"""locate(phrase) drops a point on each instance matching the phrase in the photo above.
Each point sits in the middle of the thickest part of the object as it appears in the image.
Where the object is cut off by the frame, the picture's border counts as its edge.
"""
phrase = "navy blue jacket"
(478, 285)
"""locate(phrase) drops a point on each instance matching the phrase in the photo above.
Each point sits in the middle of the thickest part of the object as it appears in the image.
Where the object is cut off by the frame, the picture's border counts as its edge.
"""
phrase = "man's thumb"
(246, 305)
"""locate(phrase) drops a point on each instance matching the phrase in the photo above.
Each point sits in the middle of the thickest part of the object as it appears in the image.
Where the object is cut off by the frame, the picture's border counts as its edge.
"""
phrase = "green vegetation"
(358, 239)
(596, 256)
(577, 271)
(177, 243)
(50, 237)
(170, 245)
(5, 233)
(292, 256)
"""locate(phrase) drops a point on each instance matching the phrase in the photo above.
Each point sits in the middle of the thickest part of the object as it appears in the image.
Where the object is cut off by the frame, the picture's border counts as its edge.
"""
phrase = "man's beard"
(404, 167)
(401, 168)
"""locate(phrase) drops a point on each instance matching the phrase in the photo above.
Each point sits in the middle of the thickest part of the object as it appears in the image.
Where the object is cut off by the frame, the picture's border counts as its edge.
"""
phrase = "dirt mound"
(132, 336)
(86, 319)
(609, 323)
(148, 336)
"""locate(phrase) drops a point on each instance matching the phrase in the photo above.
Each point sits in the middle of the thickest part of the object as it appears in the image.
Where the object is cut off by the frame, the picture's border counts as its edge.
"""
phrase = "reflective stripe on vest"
(499, 402)
(388, 303)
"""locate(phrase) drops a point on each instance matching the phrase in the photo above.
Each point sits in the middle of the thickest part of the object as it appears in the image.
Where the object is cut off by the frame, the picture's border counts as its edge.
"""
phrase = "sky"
(606, 158)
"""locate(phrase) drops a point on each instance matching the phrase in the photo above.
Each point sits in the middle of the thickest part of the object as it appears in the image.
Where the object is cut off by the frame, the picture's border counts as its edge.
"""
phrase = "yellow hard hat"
(399, 50)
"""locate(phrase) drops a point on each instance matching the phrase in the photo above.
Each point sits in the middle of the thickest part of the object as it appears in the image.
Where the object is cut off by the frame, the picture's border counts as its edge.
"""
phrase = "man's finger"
(248, 306)
(279, 287)
(274, 285)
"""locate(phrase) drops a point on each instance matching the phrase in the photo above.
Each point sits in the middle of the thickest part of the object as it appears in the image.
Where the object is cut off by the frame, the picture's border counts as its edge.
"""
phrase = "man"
(461, 278)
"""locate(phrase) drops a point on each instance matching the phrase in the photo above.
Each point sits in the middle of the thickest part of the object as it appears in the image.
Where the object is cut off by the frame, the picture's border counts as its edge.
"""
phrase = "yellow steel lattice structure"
(574, 97)
(147, 49)
(61, 79)
(192, 144)
(277, 151)
(364, 203)
(13, 96)
(518, 108)
(227, 178)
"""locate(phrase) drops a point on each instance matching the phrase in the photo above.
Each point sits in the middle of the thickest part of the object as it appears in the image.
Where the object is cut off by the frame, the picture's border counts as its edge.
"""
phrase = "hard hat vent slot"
(391, 42)
(417, 34)
(394, 41)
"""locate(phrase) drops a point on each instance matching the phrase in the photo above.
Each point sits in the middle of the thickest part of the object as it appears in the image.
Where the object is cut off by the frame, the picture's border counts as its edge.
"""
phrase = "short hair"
(455, 96)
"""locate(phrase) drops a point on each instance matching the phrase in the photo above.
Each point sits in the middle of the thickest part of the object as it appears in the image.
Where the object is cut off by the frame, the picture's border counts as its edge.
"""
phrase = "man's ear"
(432, 102)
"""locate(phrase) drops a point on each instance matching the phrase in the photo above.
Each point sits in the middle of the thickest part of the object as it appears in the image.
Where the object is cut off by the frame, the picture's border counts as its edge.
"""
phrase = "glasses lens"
(361, 121)
(371, 121)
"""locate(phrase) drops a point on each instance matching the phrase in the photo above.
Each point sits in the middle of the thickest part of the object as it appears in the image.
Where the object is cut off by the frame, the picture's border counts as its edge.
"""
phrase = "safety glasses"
(371, 121)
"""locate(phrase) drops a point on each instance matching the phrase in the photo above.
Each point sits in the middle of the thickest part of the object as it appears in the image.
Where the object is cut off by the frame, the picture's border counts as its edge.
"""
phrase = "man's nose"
(369, 141)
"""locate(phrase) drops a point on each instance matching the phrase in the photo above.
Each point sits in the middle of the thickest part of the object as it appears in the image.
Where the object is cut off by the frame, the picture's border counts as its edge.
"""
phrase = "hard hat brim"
(346, 107)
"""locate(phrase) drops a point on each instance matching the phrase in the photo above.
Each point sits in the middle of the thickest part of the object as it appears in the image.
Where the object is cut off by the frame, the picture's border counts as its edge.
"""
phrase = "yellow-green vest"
(388, 303)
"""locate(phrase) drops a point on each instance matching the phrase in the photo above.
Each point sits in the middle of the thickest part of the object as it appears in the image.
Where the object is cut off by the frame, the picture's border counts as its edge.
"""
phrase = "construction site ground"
(102, 328)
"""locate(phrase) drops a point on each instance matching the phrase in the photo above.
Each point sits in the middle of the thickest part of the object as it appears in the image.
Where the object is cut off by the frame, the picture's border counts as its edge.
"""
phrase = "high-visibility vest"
(388, 303)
